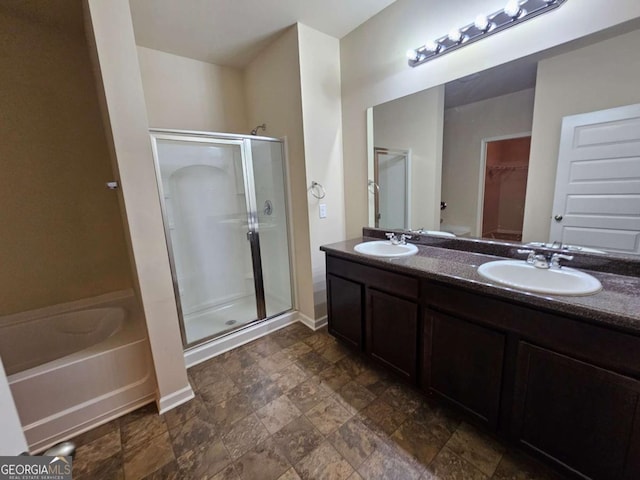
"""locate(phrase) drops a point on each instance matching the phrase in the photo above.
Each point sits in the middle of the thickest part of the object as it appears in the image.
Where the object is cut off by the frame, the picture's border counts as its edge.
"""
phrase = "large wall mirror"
(544, 149)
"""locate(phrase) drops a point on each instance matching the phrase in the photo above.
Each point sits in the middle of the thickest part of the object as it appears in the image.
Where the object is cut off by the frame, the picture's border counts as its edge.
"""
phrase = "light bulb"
(482, 23)
(513, 8)
(432, 46)
(455, 35)
(412, 54)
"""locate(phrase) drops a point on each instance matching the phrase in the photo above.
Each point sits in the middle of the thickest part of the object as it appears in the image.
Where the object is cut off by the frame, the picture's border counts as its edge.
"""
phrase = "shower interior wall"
(205, 213)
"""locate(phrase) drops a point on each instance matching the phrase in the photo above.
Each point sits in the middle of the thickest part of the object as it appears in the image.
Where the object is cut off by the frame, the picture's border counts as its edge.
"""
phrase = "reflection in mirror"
(504, 166)
(391, 174)
(545, 149)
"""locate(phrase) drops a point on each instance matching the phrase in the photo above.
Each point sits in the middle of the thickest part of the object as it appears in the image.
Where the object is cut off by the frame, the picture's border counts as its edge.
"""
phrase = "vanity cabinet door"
(463, 362)
(392, 332)
(577, 414)
(345, 301)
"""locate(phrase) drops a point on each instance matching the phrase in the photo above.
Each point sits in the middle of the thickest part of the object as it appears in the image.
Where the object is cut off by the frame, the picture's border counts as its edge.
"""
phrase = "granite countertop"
(616, 305)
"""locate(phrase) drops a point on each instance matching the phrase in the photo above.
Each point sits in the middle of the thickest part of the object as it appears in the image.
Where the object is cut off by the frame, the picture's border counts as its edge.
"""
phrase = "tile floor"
(297, 405)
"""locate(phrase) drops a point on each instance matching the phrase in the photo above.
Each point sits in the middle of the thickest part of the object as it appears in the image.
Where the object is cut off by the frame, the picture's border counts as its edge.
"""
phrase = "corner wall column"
(128, 129)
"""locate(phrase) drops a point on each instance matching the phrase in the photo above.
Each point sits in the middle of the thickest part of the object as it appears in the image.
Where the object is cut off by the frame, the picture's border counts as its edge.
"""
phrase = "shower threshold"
(222, 319)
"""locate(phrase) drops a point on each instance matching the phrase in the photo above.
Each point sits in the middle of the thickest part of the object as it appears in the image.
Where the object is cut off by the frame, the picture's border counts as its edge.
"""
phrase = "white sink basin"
(438, 233)
(383, 248)
(519, 274)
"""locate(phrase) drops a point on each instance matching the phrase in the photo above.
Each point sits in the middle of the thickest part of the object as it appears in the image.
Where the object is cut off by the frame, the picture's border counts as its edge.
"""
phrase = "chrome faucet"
(539, 260)
(395, 240)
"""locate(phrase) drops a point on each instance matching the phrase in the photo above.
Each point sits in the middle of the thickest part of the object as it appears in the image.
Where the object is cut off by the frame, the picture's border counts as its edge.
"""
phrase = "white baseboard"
(211, 349)
(313, 324)
(175, 399)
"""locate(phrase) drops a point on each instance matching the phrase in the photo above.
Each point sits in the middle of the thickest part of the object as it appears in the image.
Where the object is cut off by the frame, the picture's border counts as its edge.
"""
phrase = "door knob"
(558, 218)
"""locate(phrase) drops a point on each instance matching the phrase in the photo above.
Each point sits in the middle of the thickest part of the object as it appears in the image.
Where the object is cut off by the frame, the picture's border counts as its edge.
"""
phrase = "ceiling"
(233, 32)
(494, 82)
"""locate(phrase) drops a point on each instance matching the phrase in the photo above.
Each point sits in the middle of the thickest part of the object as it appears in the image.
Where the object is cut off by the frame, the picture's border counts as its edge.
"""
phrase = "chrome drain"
(230, 322)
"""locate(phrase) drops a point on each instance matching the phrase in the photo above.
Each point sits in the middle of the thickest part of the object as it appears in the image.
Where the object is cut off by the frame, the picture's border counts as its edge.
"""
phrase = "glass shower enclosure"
(225, 215)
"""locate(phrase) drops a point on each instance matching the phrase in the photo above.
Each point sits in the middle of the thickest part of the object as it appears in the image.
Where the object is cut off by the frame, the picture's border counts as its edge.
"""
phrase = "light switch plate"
(323, 210)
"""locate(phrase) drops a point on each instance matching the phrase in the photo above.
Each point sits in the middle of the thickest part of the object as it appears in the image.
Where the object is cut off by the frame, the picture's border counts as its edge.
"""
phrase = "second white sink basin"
(386, 249)
(521, 275)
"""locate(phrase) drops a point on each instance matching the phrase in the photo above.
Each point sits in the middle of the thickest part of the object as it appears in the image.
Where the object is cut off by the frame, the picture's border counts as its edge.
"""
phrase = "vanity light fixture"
(514, 12)
(455, 36)
(482, 23)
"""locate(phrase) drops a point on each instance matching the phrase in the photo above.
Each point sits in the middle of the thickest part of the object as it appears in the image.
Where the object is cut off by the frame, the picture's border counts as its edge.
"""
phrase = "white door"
(597, 195)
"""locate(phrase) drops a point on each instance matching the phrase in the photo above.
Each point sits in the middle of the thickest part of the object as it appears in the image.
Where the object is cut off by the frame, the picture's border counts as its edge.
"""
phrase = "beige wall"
(62, 237)
(415, 123)
(322, 121)
(186, 94)
(120, 79)
(374, 67)
(601, 76)
(273, 96)
(464, 129)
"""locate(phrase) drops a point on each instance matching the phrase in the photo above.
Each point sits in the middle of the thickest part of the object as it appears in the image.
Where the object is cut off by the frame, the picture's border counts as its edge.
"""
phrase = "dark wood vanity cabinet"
(391, 332)
(577, 414)
(383, 305)
(345, 309)
(560, 387)
(463, 363)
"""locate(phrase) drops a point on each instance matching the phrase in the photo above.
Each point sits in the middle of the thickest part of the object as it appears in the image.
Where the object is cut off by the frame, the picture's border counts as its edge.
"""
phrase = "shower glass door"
(221, 199)
(268, 173)
(206, 218)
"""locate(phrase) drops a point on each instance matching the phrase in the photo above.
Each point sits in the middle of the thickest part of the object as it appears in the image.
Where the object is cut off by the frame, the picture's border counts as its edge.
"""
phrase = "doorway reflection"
(505, 186)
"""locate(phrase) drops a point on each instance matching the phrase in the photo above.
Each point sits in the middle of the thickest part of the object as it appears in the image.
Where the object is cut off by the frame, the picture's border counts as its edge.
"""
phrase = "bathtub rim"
(66, 307)
(133, 329)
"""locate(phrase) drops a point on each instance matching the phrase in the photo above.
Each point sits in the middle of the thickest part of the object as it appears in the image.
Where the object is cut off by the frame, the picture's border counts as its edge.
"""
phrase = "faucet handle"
(538, 260)
(404, 238)
(392, 238)
(556, 257)
(531, 254)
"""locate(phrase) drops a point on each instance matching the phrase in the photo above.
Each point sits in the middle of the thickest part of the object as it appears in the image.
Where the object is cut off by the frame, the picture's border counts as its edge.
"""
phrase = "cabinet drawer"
(377, 278)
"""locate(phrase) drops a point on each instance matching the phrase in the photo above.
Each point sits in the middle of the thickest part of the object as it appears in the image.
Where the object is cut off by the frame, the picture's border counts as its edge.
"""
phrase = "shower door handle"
(249, 235)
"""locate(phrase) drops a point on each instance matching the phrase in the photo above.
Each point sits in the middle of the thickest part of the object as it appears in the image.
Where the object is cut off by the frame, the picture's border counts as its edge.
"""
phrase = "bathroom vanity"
(559, 376)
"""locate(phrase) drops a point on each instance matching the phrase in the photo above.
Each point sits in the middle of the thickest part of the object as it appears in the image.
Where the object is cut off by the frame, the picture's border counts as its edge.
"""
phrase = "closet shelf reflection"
(507, 167)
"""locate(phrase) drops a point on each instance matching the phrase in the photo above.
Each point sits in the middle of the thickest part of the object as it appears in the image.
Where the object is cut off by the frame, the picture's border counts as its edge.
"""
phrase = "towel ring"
(376, 187)
(317, 190)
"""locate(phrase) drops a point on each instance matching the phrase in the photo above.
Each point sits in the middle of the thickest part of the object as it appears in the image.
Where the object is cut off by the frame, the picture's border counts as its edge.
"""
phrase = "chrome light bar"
(514, 13)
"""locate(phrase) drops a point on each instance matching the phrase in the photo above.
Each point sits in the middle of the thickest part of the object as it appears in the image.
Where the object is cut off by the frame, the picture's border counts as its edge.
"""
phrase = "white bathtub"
(72, 367)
